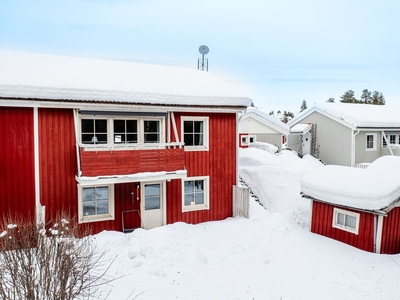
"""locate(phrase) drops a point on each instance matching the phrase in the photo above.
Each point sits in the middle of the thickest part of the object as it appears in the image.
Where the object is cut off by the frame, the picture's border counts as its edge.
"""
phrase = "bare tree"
(49, 262)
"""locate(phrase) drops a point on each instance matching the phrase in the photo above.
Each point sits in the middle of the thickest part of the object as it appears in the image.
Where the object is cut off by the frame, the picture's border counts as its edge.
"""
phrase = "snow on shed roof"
(267, 119)
(38, 76)
(374, 188)
(356, 115)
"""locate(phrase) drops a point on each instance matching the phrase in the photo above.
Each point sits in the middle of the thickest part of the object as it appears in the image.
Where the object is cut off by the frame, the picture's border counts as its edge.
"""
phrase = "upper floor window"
(195, 133)
(371, 141)
(94, 131)
(116, 130)
(125, 131)
(346, 220)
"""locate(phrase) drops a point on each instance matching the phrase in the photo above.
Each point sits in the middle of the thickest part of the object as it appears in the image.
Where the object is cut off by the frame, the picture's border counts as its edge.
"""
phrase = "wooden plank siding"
(390, 243)
(321, 223)
(58, 162)
(124, 162)
(17, 170)
(219, 163)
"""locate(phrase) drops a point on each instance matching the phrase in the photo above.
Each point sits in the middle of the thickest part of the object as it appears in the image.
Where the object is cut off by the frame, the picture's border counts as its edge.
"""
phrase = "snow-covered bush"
(49, 261)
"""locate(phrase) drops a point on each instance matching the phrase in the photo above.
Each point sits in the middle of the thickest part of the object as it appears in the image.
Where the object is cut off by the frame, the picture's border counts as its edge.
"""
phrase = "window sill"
(190, 208)
(196, 148)
(98, 218)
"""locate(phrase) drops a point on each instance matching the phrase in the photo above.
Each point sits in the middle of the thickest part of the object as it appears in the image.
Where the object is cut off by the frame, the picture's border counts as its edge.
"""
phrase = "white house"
(346, 134)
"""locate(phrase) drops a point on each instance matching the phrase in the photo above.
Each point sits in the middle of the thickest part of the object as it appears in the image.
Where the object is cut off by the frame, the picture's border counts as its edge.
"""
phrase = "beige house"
(346, 134)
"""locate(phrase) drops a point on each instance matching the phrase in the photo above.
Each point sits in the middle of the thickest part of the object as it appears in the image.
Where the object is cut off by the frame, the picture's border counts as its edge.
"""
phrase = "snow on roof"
(267, 119)
(300, 128)
(28, 75)
(356, 115)
(373, 188)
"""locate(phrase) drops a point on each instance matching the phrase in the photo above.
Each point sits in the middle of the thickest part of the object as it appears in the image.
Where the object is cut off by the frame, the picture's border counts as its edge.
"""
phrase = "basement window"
(346, 220)
(96, 203)
(195, 191)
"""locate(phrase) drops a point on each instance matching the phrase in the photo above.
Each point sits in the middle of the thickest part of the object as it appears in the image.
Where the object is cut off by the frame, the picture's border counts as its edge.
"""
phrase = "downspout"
(78, 155)
(353, 148)
(36, 161)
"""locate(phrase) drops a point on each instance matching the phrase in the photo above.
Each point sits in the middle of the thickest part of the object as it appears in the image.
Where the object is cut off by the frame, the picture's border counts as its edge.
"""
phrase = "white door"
(306, 144)
(152, 205)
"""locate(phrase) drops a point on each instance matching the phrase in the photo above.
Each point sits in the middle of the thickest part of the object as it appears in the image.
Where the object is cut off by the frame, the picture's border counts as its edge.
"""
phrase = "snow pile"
(373, 188)
(270, 256)
(28, 75)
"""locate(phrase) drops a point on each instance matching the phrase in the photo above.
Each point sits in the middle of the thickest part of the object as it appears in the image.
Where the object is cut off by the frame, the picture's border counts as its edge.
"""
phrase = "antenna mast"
(203, 62)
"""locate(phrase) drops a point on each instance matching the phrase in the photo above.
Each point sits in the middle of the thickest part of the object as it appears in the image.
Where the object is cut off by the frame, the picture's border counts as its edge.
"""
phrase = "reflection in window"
(95, 201)
(125, 131)
(94, 131)
(152, 196)
(194, 192)
(151, 131)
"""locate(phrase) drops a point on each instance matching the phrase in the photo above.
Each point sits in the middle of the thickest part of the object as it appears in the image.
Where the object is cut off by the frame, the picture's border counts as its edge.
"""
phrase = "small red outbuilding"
(360, 207)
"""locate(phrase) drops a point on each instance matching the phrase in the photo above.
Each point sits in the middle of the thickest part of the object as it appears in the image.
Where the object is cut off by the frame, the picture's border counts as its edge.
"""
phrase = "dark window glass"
(94, 131)
(151, 131)
(125, 131)
(193, 133)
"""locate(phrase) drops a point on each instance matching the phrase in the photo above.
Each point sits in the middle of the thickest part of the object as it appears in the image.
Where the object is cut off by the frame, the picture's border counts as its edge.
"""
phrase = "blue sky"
(284, 51)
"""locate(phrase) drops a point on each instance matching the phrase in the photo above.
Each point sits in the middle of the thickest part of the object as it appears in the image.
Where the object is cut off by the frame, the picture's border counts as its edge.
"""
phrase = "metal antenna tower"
(203, 62)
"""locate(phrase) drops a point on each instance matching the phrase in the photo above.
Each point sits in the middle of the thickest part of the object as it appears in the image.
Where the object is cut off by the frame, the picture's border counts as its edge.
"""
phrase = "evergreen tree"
(348, 97)
(331, 100)
(303, 105)
(366, 97)
(381, 99)
(271, 113)
(375, 98)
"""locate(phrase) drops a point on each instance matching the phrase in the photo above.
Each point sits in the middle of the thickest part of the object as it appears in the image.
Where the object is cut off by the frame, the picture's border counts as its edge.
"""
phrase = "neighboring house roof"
(376, 188)
(266, 119)
(355, 116)
(50, 77)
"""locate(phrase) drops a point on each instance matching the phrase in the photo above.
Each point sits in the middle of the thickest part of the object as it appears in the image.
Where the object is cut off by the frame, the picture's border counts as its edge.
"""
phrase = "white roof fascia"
(139, 177)
(319, 110)
(265, 121)
(112, 106)
(306, 129)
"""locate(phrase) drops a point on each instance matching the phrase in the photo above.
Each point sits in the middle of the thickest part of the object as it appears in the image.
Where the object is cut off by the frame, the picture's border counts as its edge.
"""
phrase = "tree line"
(375, 98)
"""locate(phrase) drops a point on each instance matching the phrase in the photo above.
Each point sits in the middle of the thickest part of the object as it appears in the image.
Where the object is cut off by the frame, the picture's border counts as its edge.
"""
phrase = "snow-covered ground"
(271, 255)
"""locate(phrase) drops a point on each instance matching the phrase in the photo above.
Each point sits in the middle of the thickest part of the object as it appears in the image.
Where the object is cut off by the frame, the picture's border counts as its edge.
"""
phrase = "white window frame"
(140, 130)
(247, 140)
(337, 211)
(205, 121)
(100, 217)
(195, 207)
(374, 136)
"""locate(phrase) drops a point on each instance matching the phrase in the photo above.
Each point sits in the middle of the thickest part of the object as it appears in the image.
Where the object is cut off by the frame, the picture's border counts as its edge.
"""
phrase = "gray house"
(257, 127)
(346, 134)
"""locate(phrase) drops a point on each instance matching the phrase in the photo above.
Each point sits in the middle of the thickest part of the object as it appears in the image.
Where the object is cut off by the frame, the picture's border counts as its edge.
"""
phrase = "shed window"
(346, 220)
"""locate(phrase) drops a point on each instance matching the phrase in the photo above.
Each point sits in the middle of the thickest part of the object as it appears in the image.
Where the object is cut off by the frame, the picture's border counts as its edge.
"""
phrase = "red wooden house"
(360, 207)
(120, 145)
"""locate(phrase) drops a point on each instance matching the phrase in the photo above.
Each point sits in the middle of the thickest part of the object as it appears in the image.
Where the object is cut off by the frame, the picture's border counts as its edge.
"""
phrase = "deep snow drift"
(271, 255)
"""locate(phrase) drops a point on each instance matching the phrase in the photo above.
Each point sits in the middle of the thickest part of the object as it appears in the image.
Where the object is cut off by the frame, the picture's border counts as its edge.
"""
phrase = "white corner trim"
(379, 235)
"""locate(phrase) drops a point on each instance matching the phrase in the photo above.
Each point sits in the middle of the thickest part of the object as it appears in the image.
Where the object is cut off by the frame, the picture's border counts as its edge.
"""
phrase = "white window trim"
(343, 227)
(247, 142)
(205, 120)
(96, 218)
(110, 132)
(206, 205)
(374, 142)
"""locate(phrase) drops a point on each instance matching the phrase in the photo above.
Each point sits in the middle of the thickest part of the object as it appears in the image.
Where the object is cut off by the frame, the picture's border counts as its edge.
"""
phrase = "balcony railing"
(118, 159)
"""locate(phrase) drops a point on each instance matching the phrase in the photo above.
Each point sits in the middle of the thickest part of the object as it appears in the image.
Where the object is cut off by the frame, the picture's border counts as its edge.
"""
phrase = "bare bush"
(49, 261)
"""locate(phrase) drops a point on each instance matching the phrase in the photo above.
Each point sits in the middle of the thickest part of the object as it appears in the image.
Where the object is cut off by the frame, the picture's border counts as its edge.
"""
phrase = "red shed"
(360, 207)
(120, 145)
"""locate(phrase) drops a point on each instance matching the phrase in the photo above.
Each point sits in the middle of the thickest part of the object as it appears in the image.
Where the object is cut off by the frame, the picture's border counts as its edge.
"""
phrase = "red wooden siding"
(219, 163)
(125, 197)
(17, 171)
(390, 243)
(321, 223)
(123, 162)
(58, 164)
